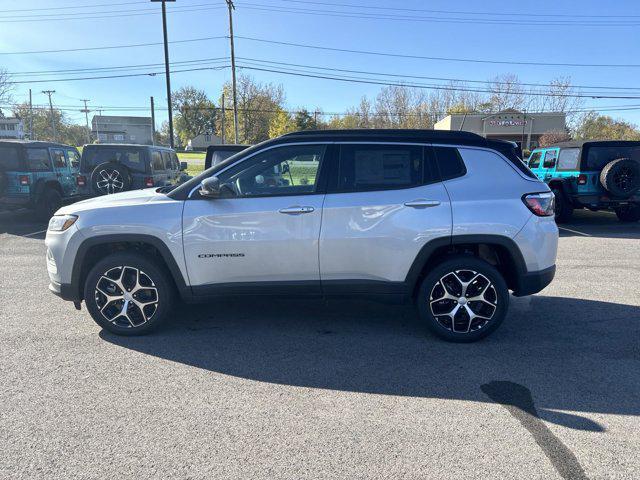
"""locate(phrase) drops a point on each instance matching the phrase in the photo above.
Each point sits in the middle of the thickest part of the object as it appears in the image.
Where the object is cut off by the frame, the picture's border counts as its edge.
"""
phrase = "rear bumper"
(603, 201)
(533, 282)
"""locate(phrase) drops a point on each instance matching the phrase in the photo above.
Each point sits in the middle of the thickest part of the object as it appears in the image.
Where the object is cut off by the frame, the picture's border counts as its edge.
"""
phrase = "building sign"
(507, 123)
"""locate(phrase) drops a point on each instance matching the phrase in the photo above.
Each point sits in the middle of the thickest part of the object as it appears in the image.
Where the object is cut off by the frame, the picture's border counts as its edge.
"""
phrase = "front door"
(261, 235)
(548, 167)
(64, 172)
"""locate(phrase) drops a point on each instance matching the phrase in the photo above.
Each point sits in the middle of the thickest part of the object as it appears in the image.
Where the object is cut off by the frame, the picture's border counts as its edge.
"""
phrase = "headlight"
(59, 223)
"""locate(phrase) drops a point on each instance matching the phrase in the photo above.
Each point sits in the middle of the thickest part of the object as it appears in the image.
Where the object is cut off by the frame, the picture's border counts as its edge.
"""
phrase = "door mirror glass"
(210, 187)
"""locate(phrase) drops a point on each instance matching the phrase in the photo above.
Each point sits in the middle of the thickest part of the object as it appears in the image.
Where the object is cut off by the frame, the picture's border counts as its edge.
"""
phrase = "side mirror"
(183, 166)
(210, 187)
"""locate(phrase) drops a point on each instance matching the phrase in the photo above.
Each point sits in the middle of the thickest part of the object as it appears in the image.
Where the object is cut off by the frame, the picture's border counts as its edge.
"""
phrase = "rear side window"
(569, 159)
(380, 167)
(132, 158)
(449, 163)
(38, 159)
(9, 158)
(534, 159)
(156, 161)
(167, 161)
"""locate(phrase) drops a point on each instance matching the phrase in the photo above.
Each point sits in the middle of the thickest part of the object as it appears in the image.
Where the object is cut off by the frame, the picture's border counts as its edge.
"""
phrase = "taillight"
(582, 179)
(24, 180)
(148, 182)
(81, 180)
(541, 204)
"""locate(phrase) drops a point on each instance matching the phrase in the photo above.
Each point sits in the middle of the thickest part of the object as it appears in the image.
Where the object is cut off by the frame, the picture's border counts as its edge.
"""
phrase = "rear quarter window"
(38, 159)
(9, 158)
(450, 163)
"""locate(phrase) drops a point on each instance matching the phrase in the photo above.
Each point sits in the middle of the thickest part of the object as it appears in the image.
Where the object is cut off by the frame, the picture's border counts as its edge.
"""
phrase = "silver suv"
(449, 220)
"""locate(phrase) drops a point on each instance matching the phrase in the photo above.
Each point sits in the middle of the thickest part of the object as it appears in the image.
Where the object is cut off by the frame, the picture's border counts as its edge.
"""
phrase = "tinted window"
(38, 159)
(534, 159)
(449, 162)
(550, 158)
(74, 158)
(569, 159)
(220, 156)
(598, 157)
(9, 159)
(132, 158)
(156, 161)
(59, 161)
(279, 171)
(380, 167)
(175, 160)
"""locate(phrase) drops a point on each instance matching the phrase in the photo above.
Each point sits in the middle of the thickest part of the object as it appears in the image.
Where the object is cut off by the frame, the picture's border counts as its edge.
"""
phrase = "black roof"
(602, 143)
(228, 147)
(399, 135)
(138, 145)
(34, 143)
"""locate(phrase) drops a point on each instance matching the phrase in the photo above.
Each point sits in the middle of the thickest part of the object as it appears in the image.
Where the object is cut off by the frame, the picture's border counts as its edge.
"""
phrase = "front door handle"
(296, 210)
(422, 203)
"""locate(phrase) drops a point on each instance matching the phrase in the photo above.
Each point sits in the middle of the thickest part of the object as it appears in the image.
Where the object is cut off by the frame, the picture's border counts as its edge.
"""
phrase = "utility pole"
(224, 114)
(153, 123)
(166, 66)
(30, 116)
(233, 72)
(53, 123)
(86, 118)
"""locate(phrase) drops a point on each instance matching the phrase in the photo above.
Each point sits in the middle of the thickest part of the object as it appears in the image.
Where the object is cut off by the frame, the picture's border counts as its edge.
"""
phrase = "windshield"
(9, 158)
(598, 157)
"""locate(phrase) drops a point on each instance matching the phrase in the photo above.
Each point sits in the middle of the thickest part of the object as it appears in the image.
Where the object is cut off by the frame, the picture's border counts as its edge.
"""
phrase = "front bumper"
(533, 282)
(64, 291)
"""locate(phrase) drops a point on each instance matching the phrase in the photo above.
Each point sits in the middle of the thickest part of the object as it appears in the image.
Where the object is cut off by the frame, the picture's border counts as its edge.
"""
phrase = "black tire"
(49, 202)
(563, 207)
(465, 329)
(621, 177)
(138, 320)
(110, 177)
(628, 213)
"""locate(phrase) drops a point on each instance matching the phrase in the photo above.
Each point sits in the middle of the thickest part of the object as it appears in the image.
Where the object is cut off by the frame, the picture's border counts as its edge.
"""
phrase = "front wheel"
(48, 204)
(463, 299)
(628, 213)
(128, 293)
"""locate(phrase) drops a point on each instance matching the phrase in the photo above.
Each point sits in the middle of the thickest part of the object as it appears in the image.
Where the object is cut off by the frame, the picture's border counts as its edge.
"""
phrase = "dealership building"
(523, 128)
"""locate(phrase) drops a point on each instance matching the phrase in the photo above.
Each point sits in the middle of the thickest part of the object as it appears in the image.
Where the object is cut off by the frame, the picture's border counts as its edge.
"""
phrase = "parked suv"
(37, 175)
(449, 220)
(598, 175)
(115, 168)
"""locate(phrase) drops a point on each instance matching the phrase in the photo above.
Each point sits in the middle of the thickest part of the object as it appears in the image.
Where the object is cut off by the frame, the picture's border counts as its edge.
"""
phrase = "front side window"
(534, 159)
(38, 159)
(380, 167)
(550, 159)
(74, 158)
(569, 159)
(291, 170)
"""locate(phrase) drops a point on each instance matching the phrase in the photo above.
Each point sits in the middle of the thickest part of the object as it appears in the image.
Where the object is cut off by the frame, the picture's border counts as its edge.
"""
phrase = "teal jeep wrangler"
(38, 175)
(598, 175)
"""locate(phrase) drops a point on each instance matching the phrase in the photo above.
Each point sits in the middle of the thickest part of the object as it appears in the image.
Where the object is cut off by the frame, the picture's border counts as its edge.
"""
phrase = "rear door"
(63, 171)
(383, 205)
(158, 168)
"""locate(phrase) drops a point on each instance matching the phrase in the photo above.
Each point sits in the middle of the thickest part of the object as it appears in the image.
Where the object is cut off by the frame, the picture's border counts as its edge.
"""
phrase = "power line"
(70, 7)
(445, 59)
(110, 11)
(109, 47)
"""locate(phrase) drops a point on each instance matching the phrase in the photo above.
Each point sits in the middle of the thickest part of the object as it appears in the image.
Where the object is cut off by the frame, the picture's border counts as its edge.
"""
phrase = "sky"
(541, 31)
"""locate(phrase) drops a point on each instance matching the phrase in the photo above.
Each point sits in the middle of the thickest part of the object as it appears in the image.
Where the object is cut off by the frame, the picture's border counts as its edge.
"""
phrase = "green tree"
(195, 114)
(594, 126)
(280, 124)
(304, 120)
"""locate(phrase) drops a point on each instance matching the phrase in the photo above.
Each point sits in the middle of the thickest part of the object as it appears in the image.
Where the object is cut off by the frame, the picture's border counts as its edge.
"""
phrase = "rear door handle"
(296, 210)
(421, 203)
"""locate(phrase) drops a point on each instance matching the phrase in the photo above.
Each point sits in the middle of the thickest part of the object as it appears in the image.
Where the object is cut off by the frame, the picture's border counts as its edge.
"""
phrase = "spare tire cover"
(621, 177)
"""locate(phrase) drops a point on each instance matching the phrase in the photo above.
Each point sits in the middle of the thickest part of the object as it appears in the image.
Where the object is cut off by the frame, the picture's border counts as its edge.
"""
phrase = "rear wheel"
(628, 213)
(128, 294)
(48, 204)
(563, 208)
(463, 299)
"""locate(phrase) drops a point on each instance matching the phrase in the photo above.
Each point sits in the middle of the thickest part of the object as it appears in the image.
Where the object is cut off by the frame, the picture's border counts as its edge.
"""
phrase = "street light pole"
(166, 66)
(233, 72)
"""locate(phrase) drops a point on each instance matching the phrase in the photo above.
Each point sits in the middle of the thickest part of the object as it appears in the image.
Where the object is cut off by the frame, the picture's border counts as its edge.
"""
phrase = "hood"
(134, 197)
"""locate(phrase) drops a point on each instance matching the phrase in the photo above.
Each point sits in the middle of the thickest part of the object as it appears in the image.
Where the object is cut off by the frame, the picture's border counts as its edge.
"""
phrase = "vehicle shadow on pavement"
(599, 224)
(573, 355)
(22, 223)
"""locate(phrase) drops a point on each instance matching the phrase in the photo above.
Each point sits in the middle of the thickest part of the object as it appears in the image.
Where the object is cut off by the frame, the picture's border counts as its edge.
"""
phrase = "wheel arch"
(93, 249)
(43, 184)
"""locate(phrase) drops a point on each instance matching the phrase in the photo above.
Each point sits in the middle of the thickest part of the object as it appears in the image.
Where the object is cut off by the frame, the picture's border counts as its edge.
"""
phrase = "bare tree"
(507, 92)
(5, 88)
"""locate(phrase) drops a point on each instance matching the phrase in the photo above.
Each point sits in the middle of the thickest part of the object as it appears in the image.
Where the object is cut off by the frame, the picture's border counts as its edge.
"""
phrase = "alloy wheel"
(110, 181)
(126, 296)
(463, 301)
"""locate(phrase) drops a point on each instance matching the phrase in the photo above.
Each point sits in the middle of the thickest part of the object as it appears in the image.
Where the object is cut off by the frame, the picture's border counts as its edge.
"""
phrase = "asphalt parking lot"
(289, 389)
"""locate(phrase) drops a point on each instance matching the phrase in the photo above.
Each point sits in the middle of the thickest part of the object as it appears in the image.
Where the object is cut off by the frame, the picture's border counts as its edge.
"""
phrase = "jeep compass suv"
(449, 220)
